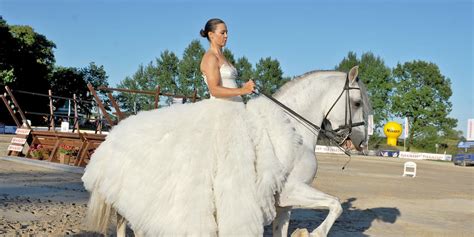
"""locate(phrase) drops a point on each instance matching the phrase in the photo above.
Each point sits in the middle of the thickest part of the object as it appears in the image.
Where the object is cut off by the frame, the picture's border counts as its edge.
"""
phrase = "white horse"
(329, 96)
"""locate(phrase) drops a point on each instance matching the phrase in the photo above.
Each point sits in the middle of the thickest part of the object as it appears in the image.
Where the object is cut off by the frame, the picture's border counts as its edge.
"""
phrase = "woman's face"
(219, 36)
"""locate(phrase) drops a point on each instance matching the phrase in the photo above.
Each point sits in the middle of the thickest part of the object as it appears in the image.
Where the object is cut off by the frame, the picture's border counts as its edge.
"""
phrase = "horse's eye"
(357, 104)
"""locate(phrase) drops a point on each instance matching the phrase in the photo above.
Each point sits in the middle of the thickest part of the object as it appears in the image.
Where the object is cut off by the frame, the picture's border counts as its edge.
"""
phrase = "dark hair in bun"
(210, 27)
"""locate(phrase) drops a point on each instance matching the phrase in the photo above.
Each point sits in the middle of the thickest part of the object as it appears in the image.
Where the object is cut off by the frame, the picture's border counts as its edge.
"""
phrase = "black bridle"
(338, 135)
(344, 131)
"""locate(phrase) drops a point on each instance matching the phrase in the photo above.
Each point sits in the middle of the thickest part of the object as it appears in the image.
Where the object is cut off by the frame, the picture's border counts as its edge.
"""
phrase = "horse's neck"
(306, 100)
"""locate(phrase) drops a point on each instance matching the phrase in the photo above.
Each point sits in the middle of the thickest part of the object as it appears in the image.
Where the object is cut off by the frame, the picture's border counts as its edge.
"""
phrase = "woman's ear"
(211, 35)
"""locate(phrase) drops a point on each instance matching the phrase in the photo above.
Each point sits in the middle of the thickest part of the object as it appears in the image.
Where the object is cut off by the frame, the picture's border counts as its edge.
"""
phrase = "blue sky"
(303, 35)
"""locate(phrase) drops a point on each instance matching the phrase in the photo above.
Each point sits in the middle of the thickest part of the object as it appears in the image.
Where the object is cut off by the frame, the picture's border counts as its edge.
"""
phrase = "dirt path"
(377, 200)
(38, 201)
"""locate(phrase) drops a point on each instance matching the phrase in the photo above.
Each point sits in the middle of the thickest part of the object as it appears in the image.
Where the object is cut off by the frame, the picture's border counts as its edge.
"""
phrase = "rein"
(338, 135)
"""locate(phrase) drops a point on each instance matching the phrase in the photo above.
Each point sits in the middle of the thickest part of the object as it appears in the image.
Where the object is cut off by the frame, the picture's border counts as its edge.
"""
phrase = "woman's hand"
(248, 87)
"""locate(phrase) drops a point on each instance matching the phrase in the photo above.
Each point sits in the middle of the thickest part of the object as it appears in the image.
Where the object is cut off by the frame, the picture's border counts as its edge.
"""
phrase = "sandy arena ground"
(377, 200)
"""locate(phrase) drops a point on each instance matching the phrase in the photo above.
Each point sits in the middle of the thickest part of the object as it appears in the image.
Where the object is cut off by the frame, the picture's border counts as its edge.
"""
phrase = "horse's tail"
(98, 213)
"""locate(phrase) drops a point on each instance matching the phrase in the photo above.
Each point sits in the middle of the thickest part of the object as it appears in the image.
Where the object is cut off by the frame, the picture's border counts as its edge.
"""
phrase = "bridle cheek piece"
(341, 133)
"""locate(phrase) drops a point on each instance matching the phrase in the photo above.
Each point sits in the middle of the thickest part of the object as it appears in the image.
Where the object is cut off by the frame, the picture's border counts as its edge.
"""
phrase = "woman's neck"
(217, 50)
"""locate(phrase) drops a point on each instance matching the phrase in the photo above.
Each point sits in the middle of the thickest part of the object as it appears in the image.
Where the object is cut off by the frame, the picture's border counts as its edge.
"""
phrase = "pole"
(404, 143)
(51, 116)
(18, 124)
(22, 115)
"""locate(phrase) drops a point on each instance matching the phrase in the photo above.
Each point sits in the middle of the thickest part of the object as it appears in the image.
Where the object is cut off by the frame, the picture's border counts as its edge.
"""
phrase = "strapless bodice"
(228, 76)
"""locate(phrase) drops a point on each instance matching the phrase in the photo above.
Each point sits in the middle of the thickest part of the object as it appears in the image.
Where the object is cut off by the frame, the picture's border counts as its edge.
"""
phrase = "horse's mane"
(367, 105)
(299, 78)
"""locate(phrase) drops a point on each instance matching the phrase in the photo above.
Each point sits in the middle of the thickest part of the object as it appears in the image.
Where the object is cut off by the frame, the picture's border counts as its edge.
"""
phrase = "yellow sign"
(392, 130)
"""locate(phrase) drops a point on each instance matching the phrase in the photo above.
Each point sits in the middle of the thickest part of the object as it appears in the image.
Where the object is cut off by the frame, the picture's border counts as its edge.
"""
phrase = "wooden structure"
(83, 143)
(91, 142)
(121, 115)
(51, 139)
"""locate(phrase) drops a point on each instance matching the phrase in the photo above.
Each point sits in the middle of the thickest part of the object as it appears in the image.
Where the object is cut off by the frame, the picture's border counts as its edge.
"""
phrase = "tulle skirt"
(189, 170)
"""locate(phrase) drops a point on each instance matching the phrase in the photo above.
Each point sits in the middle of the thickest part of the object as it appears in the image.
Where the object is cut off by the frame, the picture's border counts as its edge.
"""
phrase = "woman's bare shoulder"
(209, 60)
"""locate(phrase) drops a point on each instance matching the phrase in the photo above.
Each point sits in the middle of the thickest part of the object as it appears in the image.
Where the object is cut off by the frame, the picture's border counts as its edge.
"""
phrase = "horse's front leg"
(281, 222)
(303, 196)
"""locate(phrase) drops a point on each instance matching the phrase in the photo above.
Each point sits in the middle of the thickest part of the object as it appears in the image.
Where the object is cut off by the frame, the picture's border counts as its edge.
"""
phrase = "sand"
(377, 200)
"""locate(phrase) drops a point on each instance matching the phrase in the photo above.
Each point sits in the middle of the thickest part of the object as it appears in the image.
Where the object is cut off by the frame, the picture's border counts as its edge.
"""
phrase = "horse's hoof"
(317, 233)
(300, 233)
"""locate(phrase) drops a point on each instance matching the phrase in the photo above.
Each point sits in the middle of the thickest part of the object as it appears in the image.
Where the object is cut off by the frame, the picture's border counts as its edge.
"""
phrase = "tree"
(184, 76)
(128, 101)
(423, 93)
(67, 81)
(142, 79)
(244, 70)
(8, 44)
(166, 71)
(229, 56)
(268, 75)
(348, 62)
(7, 76)
(377, 77)
(164, 74)
(190, 77)
(26, 62)
(95, 75)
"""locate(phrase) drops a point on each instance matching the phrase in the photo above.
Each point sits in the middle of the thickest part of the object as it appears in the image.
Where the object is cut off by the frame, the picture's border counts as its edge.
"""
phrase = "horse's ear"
(353, 74)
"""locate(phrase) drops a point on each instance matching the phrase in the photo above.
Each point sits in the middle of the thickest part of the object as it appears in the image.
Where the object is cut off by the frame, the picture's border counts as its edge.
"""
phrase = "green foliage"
(7, 49)
(268, 75)
(423, 93)
(377, 77)
(35, 45)
(142, 79)
(95, 75)
(167, 72)
(229, 56)
(7, 76)
(427, 139)
(26, 62)
(67, 81)
(348, 62)
(147, 78)
(245, 72)
(129, 101)
(190, 77)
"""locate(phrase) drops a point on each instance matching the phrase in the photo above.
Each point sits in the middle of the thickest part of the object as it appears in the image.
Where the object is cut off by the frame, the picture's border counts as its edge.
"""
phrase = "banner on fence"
(328, 149)
(370, 126)
(424, 156)
(406, 128)
(470, 130)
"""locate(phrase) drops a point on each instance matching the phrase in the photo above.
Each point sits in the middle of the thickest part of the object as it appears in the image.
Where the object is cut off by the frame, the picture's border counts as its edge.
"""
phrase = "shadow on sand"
(352, 222)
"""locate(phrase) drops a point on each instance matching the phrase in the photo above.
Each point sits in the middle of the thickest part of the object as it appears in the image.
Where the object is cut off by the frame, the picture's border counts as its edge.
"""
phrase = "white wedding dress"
(191, 169)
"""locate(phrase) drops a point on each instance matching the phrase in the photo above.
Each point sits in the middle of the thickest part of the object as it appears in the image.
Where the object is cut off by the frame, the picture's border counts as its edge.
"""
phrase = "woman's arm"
(210, 68)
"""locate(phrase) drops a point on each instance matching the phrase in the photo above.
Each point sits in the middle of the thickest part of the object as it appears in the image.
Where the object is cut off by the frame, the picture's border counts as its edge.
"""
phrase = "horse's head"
(347, 114)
